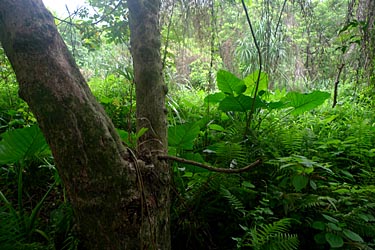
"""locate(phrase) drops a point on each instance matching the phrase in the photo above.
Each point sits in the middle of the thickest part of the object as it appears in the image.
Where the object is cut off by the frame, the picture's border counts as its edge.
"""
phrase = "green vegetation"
(315, 187)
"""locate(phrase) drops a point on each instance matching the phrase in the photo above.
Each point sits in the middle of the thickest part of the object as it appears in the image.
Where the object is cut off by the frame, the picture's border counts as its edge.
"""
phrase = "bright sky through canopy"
(59, 5)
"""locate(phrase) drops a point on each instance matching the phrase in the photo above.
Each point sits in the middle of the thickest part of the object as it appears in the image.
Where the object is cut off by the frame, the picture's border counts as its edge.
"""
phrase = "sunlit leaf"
(304, 102)
(251, 80)
(240, 103)
(216, 127)
(229, 83)
(214, 98)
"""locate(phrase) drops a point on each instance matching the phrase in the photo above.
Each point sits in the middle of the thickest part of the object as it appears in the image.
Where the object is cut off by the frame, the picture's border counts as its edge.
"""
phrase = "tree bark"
(366, 14)
(150, 89)
(120, 202)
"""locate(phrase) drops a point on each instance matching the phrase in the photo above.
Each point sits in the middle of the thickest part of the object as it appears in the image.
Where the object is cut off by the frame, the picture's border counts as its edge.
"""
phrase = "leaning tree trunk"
(120, 202)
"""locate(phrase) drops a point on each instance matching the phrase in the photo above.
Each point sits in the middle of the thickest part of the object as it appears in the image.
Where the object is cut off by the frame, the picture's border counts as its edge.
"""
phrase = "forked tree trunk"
(119, 202)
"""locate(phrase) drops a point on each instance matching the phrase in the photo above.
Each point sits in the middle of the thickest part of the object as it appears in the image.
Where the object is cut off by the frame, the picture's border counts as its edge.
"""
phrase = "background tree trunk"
(366, 13)
(150, 89)
(119, 203)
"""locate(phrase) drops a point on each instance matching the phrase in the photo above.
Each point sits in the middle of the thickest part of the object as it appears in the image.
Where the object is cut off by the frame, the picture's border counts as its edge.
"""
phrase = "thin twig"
(279, 20)
(107, 15)
(210, 168)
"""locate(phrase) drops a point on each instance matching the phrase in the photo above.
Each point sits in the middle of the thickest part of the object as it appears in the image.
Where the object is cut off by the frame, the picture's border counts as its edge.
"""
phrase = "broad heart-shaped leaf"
(182, 136)
(299, 182)
(21, 144)
(214, 98)
(251, 80)
(335, 241)
(240, 103)
(304, 102)
(229, 83)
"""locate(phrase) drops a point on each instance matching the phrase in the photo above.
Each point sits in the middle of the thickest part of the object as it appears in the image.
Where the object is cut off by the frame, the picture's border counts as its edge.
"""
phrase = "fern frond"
(313, 200)
(277, 227)
(230, 151)
(272, 236)
(233, 200)
(283, 242)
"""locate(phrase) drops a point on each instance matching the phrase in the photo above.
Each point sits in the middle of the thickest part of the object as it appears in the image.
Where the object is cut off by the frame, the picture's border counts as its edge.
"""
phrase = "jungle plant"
(336, 233)
(236, 95)
(299, 171)
(18, 148)
(271, 236)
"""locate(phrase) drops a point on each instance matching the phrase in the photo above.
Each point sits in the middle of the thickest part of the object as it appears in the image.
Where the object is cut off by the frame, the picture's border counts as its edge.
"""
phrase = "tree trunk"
(119, 202)
(366, 13)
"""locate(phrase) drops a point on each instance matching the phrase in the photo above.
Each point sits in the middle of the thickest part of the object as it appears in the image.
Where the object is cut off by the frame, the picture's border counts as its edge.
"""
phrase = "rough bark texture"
(150, 90)
(151, 112)
(119, 203)
(366, 13)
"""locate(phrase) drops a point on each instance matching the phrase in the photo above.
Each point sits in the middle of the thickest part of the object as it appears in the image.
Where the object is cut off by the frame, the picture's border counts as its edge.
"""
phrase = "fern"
(283, 241)
(233, 200)
(313, 200)
(272, 236)
(230, 153)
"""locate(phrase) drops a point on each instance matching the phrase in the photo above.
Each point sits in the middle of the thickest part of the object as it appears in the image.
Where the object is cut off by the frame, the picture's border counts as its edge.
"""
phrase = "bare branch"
(210, 168)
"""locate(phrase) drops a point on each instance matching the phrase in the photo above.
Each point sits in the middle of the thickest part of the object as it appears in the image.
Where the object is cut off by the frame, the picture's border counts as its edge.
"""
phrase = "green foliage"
(116, 94)
(22, 144)
(304, 102)
(270, 236)
(21, 218)
(318, 161)
(234, 95)
(183, 136)
(20, 225)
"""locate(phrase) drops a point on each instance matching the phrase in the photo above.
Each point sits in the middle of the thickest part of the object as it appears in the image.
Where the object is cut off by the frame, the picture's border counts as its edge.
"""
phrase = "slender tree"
(120, 201)
(366, 14)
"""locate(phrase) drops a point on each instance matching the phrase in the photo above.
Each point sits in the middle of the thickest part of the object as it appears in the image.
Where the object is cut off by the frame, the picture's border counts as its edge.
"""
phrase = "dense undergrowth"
(314, 189)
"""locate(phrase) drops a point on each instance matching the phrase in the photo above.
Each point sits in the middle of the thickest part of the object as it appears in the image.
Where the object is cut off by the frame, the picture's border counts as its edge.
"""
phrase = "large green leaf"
(352, 235)
(251, 80)
(182, 136)
(240, 103)
(214, 98)
(300, 182)
(304, 102)
(229, 83)
(335, 241)
(22, 144)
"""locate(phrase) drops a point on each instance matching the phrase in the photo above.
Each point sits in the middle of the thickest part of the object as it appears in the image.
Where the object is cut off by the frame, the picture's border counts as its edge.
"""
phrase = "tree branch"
(210, 168)
(336, 86)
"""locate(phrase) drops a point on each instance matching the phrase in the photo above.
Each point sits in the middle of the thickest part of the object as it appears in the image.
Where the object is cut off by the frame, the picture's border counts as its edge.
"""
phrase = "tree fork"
(120, 202)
